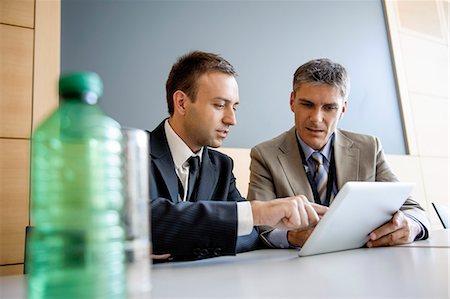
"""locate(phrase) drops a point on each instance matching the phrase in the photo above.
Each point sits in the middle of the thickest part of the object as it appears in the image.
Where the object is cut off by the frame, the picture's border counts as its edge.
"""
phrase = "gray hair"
(323, 71)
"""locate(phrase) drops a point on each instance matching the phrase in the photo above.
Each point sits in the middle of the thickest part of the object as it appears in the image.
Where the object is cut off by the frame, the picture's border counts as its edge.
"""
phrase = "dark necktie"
(194, 171)
(180, 189)
(320, 176)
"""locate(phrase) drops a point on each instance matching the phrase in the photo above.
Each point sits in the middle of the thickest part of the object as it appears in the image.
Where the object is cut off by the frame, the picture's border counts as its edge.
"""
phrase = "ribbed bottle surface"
(76, 249)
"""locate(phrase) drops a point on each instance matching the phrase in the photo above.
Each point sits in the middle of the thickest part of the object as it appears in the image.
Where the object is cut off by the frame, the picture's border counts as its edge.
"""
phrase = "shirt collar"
(180, 151)
(307, 150)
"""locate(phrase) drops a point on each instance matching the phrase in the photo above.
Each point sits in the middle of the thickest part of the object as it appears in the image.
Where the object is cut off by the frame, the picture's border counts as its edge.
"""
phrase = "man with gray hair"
(315, 159)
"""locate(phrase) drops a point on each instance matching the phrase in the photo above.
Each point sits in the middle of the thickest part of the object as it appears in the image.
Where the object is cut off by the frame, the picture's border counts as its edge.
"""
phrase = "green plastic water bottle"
(76, 248)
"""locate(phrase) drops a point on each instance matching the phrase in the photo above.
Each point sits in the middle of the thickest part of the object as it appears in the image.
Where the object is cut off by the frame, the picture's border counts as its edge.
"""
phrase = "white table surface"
(438, 238)
(381, 272)
(404, 271)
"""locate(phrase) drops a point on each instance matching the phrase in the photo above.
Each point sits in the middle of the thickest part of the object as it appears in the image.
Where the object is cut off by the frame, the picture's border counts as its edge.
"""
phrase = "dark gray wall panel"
(132, 45)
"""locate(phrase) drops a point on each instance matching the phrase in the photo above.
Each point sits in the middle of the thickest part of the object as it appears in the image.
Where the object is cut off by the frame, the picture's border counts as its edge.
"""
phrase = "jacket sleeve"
(193, 230)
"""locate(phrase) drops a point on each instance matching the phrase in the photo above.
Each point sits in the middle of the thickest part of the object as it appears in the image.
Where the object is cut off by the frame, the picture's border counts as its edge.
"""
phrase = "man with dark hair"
(197, 212)
(316, 159)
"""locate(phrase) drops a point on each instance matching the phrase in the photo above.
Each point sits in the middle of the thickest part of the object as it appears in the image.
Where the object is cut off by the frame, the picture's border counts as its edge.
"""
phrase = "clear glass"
(137, 201)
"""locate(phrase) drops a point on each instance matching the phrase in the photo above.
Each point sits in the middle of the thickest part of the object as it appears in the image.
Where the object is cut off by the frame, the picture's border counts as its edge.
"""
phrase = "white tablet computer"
(358, 209)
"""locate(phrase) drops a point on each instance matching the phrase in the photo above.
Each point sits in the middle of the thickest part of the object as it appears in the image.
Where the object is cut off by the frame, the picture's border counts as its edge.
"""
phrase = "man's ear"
(291, 101)
(344, 106)
(179, 102)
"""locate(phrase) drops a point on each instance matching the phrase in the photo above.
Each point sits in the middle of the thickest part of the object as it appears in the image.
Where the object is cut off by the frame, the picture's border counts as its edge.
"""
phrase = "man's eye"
(219, 106)
(330, 108)
(306, 104)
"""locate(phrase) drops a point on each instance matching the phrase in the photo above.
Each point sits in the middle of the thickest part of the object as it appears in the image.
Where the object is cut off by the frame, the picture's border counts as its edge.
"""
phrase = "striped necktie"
(320, 176)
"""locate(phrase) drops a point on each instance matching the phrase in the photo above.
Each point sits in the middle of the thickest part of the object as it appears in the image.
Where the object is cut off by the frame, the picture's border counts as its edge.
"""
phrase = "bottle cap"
(81, 82)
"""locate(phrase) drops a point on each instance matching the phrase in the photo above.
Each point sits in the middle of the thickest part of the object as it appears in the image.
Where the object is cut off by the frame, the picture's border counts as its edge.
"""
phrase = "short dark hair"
(188, 68)
(323, 71)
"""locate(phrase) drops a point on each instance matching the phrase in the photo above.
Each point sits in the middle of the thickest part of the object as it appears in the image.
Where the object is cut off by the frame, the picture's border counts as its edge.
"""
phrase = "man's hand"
(298, 237)
(287, 213)
(400, 230)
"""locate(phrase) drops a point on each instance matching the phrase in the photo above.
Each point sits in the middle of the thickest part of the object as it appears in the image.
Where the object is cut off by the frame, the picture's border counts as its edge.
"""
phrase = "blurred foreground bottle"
(76, 249)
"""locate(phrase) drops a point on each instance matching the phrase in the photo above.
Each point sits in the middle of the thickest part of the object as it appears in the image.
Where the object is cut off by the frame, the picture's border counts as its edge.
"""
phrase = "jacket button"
(204, 252)
(196, 251)
(217, 251)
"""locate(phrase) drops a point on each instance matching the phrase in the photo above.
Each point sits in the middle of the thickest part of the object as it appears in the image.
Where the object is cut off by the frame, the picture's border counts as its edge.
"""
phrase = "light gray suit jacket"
(277, 170)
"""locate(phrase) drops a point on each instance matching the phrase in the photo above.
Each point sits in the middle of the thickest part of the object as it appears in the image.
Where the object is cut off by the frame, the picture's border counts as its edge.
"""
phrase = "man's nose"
(229, 117)
(316, 115)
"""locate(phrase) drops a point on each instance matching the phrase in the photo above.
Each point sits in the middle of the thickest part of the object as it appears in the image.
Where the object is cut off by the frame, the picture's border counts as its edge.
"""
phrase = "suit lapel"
(208, 177)
(346, 160)
(292, 165)
(163, 161)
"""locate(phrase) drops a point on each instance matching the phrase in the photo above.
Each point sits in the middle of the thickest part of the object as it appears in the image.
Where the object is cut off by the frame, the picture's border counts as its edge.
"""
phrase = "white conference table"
(419, 270)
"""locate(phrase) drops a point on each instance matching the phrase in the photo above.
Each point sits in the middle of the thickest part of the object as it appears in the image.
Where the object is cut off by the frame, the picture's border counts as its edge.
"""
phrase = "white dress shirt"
(180, 154)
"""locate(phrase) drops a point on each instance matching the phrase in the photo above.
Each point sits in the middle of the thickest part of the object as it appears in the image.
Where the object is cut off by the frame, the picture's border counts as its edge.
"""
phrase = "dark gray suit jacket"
(205, 227)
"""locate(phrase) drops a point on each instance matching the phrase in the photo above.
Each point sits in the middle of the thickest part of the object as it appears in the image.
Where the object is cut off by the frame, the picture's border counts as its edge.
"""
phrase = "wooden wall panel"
(14, 194)
(16, 75)
(11, 270)
(29, 71)
(46, 59)
(17, 12)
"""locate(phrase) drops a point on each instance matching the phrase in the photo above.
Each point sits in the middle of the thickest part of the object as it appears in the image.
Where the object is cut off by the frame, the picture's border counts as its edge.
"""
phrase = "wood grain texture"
(17, 12)
(14, 194)
(16, 76)
(11, 270)
(46, 59)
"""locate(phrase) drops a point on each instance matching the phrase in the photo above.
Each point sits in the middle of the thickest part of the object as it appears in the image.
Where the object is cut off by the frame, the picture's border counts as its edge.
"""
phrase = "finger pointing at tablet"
(287, 213)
